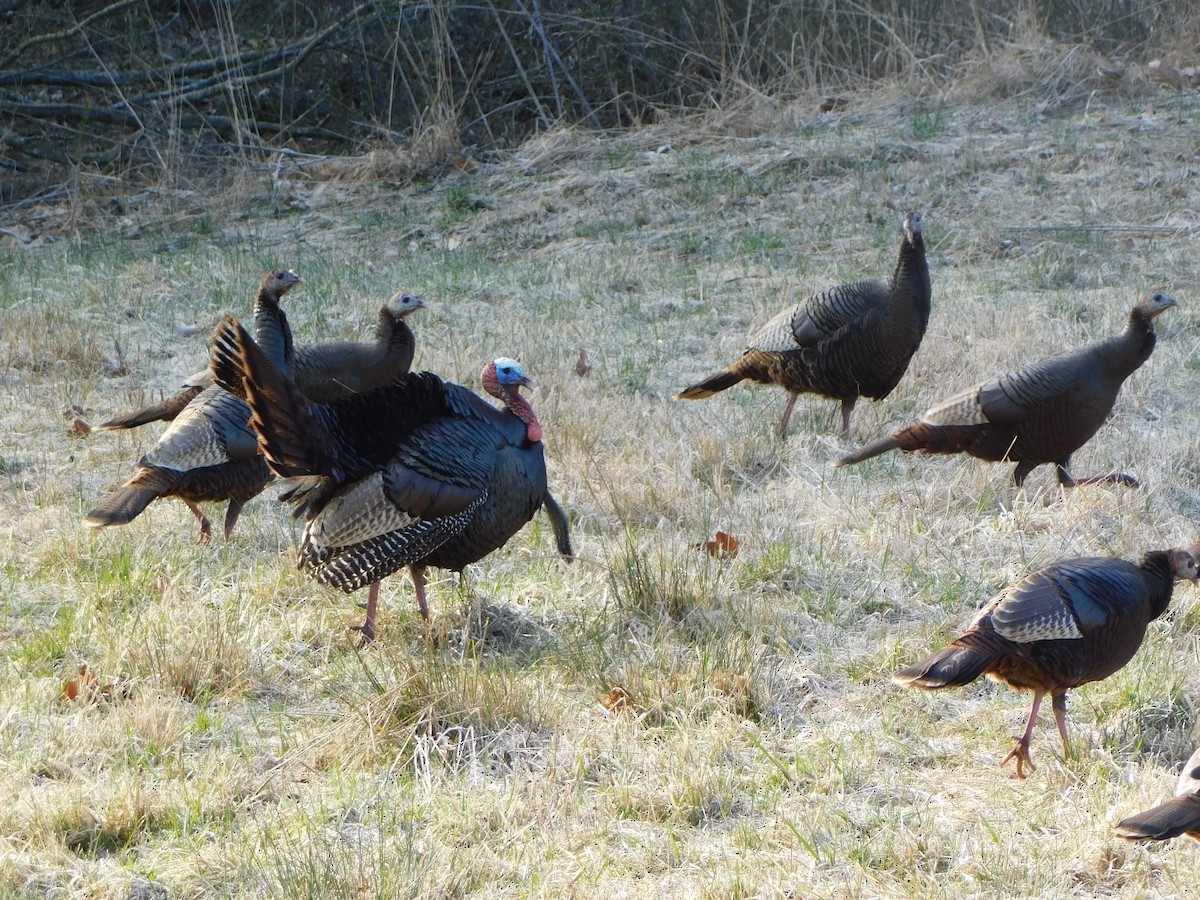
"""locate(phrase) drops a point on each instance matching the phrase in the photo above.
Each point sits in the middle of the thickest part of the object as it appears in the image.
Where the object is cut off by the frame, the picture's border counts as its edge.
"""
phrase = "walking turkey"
(1179, 815)
(325, 371)
(853, 340)
(1040, 414)
(208, 453)
(421, 472)
(1073, 622)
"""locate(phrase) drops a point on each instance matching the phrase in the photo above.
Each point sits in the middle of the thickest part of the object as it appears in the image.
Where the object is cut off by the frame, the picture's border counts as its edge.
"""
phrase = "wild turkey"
(1179, 815)
(420, 472)
(1040, 414)
(328, 371)
(853, 340)
(208, 452)
(325, 371)
(1075, 621)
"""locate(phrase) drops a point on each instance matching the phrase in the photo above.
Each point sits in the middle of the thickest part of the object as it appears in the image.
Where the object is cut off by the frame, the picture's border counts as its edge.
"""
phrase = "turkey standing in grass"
(1039, 414)
(1179, 815)
(209, 451)
(324, 372)
(853, 340)
(420, 472)
(1075, 621)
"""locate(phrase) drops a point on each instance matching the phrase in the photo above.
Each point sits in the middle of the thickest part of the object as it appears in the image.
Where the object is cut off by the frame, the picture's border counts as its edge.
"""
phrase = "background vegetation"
(650, 721)
(153, 89)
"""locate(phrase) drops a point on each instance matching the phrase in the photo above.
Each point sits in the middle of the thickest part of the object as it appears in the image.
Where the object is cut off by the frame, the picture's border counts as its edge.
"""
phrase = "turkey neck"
(272, 331)
(1157, 569)
(910, 283)
(393, 333)
(519, 407)
(1133, 346)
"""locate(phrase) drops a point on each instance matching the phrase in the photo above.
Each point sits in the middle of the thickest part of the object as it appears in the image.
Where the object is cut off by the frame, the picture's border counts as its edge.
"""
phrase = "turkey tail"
(165, 411)
(126, 503)
(1167, 820)
(289, 436)
(726, 378)
(562, 529)
(869, 451)
(952, 667)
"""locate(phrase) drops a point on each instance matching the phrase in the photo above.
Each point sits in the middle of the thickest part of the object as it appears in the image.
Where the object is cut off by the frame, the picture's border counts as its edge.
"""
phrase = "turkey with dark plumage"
(1178, 816)
(421, 472)
(853, 340)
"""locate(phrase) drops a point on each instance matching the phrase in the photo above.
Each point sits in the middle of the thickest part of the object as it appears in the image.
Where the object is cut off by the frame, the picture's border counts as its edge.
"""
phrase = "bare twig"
(553, 57)
(41, 150)
(75, 29)
(516, 58)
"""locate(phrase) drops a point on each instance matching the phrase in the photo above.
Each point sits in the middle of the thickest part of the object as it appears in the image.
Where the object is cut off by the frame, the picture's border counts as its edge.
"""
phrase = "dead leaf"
(725, 546)
(87, 687)
(83, 684)
(582, 366)
(617, 700)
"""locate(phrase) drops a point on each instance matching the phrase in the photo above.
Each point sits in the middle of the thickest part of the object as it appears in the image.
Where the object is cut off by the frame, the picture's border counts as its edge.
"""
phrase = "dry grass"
(756, 747)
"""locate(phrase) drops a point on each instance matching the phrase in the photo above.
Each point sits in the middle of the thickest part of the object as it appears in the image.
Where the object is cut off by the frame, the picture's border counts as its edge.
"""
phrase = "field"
(649, 721)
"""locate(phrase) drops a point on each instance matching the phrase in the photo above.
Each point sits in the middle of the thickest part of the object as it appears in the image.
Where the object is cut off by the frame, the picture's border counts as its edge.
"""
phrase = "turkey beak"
(1163, 302)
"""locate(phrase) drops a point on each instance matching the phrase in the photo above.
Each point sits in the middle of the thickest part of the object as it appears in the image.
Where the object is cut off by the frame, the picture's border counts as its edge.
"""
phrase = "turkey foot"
(1021, 754)
(367, 628)
(1113, 478)
(205, 534)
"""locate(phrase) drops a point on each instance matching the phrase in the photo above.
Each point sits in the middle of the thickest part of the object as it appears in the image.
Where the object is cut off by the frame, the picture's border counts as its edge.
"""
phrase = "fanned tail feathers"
(289, 435)
(952, 667)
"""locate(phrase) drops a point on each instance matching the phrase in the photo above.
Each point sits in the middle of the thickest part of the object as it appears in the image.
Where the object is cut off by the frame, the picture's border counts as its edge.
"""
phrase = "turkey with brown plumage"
(1040, 414)
(209, 452)
(1178, 816)
(324, 371)
(1072, 622)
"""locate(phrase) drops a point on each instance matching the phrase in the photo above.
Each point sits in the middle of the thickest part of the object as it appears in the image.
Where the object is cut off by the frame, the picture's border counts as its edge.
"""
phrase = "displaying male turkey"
(853, 340)
(1072, 622)
(1040, 414)
(421, 472)
(209, 452)
(1179, 815)
(323, 371)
